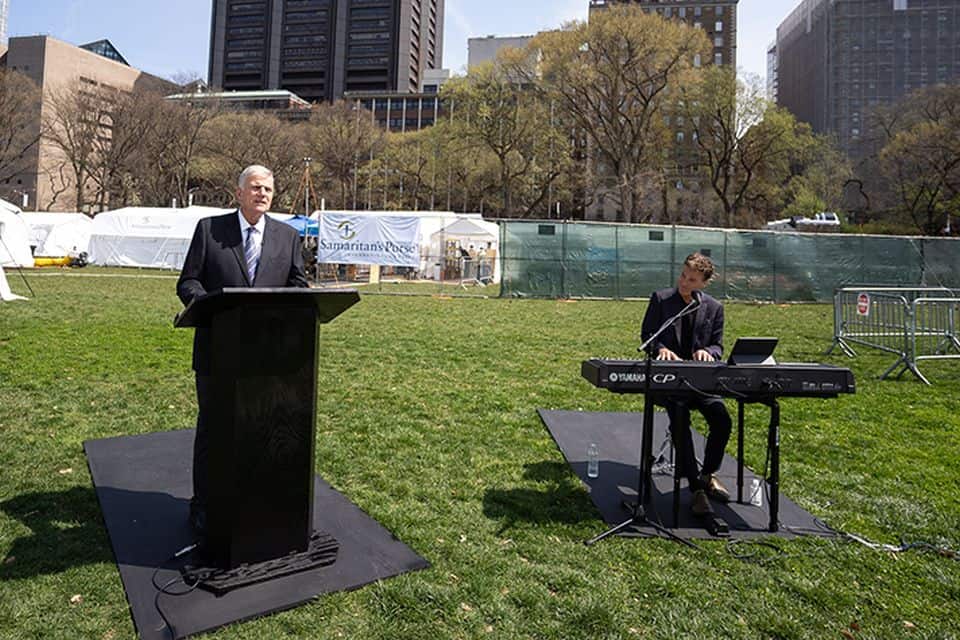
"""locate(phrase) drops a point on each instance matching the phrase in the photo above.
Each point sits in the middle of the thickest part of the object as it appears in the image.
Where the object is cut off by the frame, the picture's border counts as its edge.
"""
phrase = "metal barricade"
(933, 334)
(914, 323)
(477, 271)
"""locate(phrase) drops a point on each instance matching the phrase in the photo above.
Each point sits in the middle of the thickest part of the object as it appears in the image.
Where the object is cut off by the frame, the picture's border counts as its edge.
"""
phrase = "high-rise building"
(837, 59)
(717, 17)
(319, 49)
(772, 72)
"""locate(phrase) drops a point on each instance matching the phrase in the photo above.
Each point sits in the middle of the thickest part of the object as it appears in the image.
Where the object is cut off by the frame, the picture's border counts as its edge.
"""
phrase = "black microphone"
(693, 305)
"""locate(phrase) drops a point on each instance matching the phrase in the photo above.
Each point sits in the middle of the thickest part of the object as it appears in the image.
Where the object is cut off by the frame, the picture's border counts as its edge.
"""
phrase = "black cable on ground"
(165, 588)
(758, 550)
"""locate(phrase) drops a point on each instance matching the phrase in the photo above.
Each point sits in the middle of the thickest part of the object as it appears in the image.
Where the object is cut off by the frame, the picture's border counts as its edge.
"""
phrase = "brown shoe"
(700, 505)
(714, 488)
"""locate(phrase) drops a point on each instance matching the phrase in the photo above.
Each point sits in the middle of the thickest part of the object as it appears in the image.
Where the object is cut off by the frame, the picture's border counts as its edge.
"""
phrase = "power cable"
(164, 589)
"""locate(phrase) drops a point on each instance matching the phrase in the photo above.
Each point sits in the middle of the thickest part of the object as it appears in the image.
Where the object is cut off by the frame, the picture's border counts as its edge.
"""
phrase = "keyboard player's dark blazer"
(707, 323)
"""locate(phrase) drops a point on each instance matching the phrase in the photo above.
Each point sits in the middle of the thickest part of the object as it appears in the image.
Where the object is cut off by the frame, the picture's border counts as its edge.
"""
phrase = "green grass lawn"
(427, 420)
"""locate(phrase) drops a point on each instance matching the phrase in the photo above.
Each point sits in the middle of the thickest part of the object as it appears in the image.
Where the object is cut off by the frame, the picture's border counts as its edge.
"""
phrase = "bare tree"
(343, 138)
(164, 167)
(126, 120)
(233, 140)
(73, 124)
(19, 132)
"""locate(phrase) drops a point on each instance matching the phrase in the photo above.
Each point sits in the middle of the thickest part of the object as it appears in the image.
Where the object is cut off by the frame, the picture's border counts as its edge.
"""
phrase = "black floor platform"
(143, 485)
(617, 435)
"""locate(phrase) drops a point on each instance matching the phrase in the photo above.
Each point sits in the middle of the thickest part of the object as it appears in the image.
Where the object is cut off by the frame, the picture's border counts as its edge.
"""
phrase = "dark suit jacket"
(215, 260)
(707, 323)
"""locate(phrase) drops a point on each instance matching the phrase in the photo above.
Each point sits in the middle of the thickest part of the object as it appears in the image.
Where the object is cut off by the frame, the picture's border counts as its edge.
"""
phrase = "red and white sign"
(863, 304)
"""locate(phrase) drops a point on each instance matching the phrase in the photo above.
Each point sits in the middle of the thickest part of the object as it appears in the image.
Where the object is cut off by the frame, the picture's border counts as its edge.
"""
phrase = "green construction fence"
(547, 259)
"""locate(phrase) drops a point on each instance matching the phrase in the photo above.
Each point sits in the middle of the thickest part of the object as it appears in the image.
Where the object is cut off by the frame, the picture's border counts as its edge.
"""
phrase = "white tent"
(145, 236)
(468, 233)
(54, 235)
(67, 239)
(42, 223)
(14, 237)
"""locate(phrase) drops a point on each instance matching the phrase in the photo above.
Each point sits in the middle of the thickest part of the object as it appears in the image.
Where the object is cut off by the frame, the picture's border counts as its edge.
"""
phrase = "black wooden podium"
(263, 367)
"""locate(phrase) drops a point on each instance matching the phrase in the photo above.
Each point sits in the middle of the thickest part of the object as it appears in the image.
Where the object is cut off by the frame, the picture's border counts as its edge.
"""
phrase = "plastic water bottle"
(756, 493)
(593, 461)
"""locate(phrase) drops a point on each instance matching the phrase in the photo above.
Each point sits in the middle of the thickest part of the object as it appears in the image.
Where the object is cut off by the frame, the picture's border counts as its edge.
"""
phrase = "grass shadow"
(66, 530)
(564, 501)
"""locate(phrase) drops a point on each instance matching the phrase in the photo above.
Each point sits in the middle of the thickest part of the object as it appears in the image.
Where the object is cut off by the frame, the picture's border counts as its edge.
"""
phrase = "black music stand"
(645, 468)
(260, 460)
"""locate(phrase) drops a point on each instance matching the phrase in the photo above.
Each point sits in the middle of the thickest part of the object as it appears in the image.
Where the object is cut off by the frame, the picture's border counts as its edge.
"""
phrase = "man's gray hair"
(253, 170)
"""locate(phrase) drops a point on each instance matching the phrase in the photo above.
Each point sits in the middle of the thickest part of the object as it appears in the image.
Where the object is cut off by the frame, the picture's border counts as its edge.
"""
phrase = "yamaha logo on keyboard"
(658, 378)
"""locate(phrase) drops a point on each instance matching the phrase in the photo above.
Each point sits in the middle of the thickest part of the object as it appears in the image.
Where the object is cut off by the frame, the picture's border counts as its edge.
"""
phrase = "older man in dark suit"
(244, 248)
(696, 336)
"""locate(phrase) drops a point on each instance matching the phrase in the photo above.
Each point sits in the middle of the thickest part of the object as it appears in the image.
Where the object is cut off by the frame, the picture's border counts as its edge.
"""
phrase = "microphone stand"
(639, 516)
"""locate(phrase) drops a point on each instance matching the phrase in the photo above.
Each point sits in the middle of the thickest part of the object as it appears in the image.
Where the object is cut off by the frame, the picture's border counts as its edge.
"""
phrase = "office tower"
(772, 72)
(319, 49)
(837, 59)
(717, 17)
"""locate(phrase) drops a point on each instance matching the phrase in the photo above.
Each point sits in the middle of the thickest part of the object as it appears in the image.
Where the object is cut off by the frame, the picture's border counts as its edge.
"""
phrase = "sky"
(171, 38)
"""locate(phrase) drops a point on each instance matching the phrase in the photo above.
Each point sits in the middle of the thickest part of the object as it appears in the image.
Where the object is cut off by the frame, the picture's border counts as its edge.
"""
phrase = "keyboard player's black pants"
(720, 424)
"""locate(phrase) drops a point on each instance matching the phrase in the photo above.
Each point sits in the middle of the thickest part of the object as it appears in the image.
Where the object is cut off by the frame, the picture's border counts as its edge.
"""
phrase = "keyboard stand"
(773, 448)
(645, 479)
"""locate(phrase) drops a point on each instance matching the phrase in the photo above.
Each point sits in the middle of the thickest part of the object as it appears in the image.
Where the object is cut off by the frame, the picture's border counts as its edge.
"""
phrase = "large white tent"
(14, 237)
(54, 235)
(468, 233)
(68, 239)
(145, 236)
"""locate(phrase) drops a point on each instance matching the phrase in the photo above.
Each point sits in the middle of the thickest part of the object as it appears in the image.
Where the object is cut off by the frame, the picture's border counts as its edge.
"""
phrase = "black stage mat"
(143, 484)
(617, 435)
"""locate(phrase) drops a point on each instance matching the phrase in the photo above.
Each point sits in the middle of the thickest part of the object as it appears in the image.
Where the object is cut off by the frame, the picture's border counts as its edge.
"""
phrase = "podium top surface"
(329, 303)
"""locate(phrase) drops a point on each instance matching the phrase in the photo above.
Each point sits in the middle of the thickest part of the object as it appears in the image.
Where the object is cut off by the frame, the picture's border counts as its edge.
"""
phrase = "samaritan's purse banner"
(369, 239)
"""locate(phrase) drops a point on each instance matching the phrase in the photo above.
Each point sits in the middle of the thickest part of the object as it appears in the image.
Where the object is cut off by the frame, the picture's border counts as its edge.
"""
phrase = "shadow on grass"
(565, 501)
(66, 530)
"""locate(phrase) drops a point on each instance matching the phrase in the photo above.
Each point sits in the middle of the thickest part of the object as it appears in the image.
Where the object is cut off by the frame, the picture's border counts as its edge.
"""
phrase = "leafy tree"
(819, 179)
(745, 145)
(610, 79)
(920, 157)
(499, 116)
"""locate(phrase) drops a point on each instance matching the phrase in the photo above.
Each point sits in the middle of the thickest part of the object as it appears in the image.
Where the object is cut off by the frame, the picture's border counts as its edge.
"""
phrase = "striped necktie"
(251, 252)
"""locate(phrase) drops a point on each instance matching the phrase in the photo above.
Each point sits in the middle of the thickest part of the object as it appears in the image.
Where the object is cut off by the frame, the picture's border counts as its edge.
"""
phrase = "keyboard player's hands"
(666, 354)
(702, 355)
